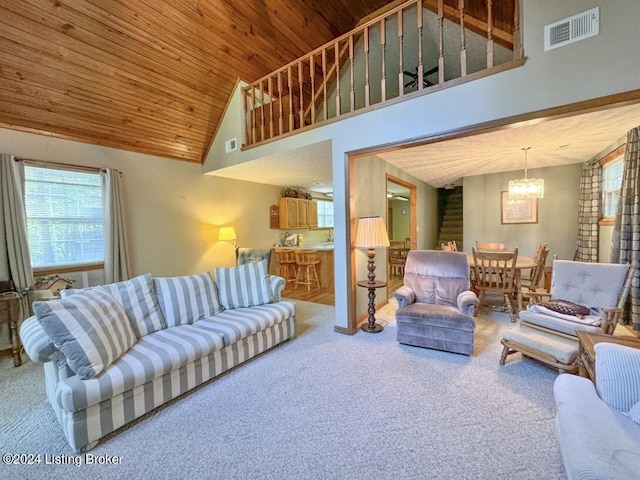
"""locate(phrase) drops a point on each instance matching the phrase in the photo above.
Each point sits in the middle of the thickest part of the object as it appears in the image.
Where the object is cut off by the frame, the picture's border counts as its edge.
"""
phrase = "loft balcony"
(412, 49)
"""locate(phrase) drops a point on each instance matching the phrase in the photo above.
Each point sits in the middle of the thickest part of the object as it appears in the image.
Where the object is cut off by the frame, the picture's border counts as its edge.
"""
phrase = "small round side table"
(371, 326)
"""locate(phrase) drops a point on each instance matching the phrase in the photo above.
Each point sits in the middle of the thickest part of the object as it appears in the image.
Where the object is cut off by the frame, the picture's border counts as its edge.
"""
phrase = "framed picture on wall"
(518, 211)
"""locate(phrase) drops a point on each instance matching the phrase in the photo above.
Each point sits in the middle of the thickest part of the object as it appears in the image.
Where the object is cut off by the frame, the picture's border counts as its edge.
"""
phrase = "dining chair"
(530, 285)
(445, 247)
(397, 256)
(453, 246)
(492, 246)
(495, 273)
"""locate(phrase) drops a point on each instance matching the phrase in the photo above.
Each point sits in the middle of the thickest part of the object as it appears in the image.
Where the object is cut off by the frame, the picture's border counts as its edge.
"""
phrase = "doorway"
(401, 228)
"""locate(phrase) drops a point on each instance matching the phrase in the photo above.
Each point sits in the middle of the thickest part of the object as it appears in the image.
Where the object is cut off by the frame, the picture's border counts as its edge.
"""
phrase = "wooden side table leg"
(15, 344)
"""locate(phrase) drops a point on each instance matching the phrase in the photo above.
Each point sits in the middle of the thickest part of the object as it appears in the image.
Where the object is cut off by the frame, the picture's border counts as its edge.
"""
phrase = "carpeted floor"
(321, 406)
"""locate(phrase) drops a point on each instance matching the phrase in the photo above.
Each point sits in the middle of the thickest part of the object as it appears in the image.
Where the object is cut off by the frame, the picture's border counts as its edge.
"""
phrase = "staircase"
(450, 209)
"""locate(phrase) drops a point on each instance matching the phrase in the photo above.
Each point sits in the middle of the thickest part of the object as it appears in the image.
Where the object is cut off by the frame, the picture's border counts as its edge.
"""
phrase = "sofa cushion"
(236, 324)
(139, 301)
(618, 375)
(244, 286)
(91, 329)
(151, 357)
(183, 300)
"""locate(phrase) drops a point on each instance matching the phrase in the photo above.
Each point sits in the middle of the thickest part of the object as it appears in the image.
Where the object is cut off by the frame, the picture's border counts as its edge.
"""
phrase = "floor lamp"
(371, 233)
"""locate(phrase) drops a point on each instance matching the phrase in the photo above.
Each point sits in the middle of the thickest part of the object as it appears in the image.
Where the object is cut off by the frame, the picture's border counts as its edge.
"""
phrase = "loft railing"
(419, 45)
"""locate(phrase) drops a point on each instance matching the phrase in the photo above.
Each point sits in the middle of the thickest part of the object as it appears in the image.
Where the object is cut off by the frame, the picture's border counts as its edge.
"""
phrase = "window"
(64, 217)
(325, 214)
(611, 184)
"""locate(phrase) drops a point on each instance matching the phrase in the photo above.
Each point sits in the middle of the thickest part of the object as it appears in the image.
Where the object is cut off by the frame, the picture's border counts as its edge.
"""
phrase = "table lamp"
(371, 233)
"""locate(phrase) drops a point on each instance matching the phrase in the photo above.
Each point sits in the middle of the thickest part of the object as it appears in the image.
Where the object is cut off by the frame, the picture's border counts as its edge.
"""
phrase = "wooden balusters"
(290, 99)
(366, 66)
(441, 44)
(420, 72)
(312, 74)
(383, 42)
(400, 55)
(253, 114)
(352, 91)
(337, 68)
(301, 89)
(261, 111)
(463, 48)
(280, 108)
(517, 46)
(325, 103)
(489, 34)
(270, 89)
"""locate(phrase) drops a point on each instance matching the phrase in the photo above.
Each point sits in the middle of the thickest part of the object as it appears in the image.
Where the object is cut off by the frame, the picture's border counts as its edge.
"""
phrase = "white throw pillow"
(244, 286)
(91, 328)
(184, 300)
(618, 375)
(139, 301)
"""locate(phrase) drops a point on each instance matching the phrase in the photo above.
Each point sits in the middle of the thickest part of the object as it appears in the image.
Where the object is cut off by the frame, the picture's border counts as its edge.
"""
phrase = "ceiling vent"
(572, 29)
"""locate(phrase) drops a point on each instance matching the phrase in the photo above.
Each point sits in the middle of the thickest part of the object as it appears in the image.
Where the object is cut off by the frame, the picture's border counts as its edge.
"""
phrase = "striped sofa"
(181, 332)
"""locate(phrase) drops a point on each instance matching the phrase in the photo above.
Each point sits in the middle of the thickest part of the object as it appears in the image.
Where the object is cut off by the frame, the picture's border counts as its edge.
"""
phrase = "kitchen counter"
(311, 246)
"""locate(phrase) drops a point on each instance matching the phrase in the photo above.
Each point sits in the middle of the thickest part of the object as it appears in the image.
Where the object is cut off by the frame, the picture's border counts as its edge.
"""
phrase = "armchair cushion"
(437, 315)
(618, 375)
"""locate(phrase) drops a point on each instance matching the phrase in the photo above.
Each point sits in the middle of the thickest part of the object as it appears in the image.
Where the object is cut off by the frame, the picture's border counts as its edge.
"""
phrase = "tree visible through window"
(64, 216)
(325, 213)
(611, 184)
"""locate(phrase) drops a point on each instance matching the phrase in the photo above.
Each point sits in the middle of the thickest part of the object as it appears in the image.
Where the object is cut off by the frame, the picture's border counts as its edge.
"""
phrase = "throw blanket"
(593, 319)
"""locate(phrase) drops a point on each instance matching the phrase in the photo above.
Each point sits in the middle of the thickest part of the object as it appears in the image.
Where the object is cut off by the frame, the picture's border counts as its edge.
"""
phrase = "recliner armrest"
(467, 302)
(405, 296)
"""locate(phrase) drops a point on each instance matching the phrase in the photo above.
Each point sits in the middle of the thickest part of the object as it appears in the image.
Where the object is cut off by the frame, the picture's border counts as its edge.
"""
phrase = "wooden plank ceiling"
(151, 76)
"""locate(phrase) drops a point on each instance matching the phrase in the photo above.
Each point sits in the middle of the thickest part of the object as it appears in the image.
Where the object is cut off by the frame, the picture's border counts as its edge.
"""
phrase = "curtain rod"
(65, 166)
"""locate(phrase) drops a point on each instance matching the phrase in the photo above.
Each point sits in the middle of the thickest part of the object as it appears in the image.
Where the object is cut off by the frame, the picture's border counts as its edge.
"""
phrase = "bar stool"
(287, 261)
(306, 260)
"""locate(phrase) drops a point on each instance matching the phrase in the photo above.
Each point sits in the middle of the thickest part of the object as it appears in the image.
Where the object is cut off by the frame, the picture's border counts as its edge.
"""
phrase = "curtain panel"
(589, 212)
(116, 252)
(625, 243)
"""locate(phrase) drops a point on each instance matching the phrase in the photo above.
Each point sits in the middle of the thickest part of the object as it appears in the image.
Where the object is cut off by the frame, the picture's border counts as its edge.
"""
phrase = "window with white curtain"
(611, 184)
(64, 216)
(325, 214)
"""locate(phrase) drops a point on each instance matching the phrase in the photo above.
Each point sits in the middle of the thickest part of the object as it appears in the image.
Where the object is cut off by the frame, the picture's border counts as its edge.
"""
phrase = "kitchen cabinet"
(294, 213)
(312, 214)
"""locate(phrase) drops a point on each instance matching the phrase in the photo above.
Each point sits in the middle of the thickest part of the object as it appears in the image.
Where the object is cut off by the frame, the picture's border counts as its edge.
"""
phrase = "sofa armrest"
(405, 296)
(617, 370)
(37, 343)
(467, 302)
(277, 284)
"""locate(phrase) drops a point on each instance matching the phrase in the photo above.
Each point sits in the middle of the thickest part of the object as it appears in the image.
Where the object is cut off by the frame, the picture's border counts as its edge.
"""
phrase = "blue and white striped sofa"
(181, 341)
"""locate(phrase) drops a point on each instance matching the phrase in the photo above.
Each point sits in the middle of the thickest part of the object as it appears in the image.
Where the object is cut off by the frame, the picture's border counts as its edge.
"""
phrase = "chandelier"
(526, 187)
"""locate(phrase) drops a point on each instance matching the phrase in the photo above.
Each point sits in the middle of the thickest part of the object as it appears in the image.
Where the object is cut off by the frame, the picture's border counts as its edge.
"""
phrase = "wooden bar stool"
(306, 261)
(287, 261)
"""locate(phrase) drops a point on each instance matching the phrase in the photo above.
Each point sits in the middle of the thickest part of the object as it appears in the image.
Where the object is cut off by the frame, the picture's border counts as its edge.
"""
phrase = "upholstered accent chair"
(247, 255)
(435, 305)
(548, 332)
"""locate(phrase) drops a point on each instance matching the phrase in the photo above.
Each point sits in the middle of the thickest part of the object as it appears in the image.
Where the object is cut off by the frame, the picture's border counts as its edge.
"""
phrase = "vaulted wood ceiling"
(151, 76)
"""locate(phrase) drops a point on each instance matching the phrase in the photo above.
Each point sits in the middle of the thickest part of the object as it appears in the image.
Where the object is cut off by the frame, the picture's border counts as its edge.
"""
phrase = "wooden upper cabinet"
(297, 213)
(312, 214)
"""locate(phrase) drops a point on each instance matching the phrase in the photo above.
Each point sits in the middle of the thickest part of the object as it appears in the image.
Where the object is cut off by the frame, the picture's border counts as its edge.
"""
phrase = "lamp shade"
(371, 232)
(226, 233)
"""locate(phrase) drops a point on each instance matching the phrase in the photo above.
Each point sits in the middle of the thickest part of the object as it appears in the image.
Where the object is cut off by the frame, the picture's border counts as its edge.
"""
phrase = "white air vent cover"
(230, 145)
(572, 29)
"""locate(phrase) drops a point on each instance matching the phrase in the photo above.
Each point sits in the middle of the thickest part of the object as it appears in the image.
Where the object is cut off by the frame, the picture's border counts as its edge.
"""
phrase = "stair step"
(453, 211)
(452, 223)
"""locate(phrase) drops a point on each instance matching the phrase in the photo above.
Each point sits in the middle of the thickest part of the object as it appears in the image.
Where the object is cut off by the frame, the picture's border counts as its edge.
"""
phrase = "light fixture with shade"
(227, 234)
(371, 233)
(524, 188)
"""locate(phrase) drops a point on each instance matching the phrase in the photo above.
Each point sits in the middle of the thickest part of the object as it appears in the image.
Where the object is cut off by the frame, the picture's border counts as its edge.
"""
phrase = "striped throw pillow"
(244, 286)
(139, 301)
(90, 328)
(183, 300)
(617, 375)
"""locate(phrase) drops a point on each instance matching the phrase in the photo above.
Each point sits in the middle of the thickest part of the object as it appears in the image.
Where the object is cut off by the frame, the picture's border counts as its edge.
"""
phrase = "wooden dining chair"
(495, 273)
(453, 246)
(397, 256)
(445, 247)
(530, 285)
(492, 246)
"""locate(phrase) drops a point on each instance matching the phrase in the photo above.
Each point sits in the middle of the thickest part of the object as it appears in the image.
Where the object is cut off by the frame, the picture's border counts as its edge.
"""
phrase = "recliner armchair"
(435, 305)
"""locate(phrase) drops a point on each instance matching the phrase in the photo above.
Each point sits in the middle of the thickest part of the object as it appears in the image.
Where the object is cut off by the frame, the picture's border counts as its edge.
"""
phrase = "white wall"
(557, 212)
(173, 211)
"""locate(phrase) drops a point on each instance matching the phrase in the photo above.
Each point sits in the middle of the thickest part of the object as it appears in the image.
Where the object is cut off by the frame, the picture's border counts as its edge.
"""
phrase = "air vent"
(572, 29)
(230, 145)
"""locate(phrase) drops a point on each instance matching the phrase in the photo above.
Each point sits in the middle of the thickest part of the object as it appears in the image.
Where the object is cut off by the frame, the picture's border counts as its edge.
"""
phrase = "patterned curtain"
(589, 211)
(625, 244)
